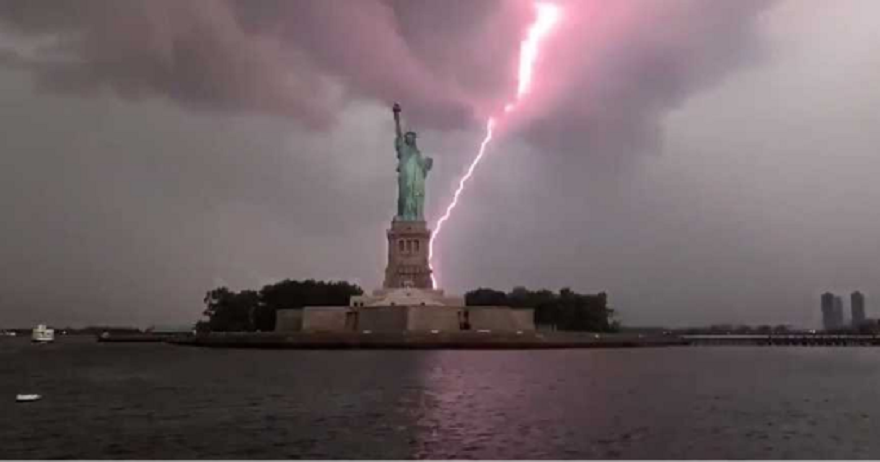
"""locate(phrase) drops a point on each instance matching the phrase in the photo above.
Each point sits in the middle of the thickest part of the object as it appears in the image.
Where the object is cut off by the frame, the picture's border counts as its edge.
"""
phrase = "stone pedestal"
(408, 255)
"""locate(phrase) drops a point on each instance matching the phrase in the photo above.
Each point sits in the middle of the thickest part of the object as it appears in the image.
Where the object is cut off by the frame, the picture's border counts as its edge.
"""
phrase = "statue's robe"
(412, 169)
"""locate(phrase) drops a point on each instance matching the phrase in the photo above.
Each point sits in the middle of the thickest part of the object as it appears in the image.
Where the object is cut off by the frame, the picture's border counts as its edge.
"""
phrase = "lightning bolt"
(548, 15)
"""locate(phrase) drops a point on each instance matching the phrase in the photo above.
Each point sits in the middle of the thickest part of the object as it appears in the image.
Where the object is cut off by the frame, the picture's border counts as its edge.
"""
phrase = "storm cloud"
(608, 74)
(302, 59)
(700, 161)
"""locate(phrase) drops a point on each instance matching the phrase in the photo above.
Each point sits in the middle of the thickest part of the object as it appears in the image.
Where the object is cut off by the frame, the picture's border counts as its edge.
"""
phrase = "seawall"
(135, 338)
(425, 341)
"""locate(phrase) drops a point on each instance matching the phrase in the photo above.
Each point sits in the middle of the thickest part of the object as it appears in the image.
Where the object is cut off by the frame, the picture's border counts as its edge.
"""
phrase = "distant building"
(832, 311)
(857, 306)
(828, 311)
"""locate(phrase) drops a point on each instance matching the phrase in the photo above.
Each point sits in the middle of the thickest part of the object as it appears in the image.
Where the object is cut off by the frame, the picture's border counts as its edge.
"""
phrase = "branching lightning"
(548, 15)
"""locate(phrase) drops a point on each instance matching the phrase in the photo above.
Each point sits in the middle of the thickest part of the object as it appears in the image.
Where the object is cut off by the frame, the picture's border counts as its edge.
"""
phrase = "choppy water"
(159, 401)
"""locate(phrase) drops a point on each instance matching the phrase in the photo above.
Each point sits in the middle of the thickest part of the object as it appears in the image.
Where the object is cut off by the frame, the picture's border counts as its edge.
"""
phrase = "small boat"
(27, 398)
(43, 334)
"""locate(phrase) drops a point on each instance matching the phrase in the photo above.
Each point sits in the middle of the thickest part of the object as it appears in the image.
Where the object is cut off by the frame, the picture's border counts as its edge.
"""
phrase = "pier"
(805, 339)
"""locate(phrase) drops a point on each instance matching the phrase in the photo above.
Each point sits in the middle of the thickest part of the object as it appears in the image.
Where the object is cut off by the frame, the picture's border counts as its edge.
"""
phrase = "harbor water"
(144, 401)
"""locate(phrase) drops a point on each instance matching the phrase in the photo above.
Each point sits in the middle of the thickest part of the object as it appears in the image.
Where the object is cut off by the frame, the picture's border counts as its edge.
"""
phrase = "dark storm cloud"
(193, 52)
(617, 66)
(293, 58)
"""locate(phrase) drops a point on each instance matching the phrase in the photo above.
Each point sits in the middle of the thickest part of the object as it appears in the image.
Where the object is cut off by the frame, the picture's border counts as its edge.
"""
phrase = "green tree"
(485, 297)
(289, 294)
(567, 310)
(229, 311)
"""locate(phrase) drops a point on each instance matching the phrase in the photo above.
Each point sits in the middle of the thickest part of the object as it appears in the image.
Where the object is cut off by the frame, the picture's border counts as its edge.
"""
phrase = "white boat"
(27, 398)
(43, 334)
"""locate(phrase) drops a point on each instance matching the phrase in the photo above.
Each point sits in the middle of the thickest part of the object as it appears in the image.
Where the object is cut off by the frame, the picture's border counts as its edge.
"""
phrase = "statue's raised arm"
(397, 131)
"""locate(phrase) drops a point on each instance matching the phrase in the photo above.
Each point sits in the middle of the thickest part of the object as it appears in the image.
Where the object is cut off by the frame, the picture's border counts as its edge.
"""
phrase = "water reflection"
(157, 401)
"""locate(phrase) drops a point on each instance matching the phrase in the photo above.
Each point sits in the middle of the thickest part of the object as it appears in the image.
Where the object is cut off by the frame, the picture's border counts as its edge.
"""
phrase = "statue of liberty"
(412, 169)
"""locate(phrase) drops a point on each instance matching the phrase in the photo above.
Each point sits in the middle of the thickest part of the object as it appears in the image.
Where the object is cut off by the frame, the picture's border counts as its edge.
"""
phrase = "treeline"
(565, 310)
(250, 310)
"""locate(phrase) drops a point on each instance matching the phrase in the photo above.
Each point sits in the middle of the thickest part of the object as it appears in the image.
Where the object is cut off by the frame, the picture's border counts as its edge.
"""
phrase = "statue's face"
(410, 139)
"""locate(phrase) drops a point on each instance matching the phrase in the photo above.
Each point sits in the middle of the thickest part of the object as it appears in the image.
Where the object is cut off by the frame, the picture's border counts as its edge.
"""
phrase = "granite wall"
(525, 319)
(327, 319)
(382, 319)
(501, 319)
(400, 319)
(428, 318)
(289, 320)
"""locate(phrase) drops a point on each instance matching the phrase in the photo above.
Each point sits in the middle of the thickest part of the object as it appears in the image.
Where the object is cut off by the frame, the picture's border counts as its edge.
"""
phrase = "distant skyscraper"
(857, 305)
(828, 315)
